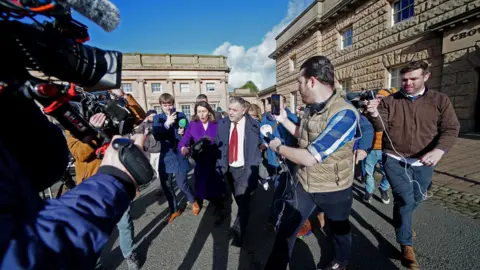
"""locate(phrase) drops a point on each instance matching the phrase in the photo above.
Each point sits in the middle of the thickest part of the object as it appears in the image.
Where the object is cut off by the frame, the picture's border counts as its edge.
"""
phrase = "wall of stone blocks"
(460, 82)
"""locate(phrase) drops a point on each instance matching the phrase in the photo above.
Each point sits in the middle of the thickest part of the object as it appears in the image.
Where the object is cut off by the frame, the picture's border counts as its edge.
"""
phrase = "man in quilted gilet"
(324, 161)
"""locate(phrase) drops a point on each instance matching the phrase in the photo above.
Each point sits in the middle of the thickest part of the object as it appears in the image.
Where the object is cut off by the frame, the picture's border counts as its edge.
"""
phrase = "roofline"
(168, 54)
(456, 19)
(318, 23)
(268, 90)
(298, 18)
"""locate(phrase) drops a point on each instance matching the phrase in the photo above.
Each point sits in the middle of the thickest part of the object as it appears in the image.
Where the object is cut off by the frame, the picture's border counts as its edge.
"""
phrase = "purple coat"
(208, 183)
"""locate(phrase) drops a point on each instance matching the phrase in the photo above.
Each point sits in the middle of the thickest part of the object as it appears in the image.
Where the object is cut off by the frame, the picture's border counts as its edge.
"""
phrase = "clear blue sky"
(187, 26)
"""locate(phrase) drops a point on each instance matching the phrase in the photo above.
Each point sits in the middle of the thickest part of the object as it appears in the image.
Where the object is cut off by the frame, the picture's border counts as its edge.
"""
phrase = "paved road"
(446, 240)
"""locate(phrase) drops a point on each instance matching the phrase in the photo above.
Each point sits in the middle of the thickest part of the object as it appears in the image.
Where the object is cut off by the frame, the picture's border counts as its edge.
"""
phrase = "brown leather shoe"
(196, 208)
(321, 219)
(174, 216)
(408, 258)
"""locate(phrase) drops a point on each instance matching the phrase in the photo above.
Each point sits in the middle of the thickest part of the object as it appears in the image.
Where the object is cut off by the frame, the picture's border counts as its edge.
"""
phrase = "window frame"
(214, 87)
(189, 115)
(188, 87)
(344, 37)
(397, 5)
(156, 84)
(130, 86)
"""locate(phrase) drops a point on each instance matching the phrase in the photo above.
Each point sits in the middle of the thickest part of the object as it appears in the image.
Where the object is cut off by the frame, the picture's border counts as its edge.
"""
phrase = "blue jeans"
(406, 195)
(126, 233)
(336, 206)
(374, 157)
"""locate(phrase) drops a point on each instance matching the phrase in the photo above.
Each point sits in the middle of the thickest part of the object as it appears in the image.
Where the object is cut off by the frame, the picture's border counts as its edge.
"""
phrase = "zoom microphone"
(102, 12)
(266, 131)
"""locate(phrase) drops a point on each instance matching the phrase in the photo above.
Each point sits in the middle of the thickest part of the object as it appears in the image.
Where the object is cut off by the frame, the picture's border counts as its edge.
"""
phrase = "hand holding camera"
(185, 151)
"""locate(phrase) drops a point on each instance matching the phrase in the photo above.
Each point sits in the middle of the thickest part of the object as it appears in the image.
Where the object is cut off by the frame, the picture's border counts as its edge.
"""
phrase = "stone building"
(147, 76)
(370, 41)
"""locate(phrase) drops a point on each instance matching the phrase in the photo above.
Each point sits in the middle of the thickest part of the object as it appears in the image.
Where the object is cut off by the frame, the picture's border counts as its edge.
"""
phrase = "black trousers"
(241, 184)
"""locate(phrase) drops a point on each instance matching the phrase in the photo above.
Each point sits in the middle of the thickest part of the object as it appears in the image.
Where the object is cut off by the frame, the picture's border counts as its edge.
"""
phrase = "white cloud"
(253, 64)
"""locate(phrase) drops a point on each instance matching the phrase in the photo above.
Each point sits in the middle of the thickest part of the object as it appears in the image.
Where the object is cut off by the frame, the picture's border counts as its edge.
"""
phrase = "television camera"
(41, 36)
(55, 49)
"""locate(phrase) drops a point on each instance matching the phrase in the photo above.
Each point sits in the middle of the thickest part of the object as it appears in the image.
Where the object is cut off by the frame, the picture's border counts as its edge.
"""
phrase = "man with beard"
(324, 161)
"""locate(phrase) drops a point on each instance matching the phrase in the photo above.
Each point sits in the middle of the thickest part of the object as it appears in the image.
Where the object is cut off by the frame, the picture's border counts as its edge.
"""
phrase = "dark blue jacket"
(280, 132)
(171, 160)
(66, 233)
(366, 132)
(251, 145)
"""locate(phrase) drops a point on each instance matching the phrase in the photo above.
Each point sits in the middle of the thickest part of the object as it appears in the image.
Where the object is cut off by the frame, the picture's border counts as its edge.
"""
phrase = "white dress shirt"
(241, 139)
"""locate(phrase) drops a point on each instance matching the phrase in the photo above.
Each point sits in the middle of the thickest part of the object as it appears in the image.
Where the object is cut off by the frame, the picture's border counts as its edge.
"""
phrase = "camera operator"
(86, 165)
(420, 126)
(66, 233)
(325, 163)
(130, 102)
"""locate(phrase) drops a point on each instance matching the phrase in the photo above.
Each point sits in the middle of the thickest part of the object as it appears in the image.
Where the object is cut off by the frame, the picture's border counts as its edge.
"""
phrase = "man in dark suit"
(238, 142)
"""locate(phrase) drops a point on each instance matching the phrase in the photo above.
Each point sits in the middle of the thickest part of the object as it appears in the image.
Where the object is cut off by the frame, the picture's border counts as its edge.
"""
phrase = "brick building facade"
(370, 41)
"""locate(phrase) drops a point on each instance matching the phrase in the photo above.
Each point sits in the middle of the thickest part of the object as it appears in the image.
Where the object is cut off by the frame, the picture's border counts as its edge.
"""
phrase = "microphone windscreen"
(102, 12)
(182, 123)
(265, 130)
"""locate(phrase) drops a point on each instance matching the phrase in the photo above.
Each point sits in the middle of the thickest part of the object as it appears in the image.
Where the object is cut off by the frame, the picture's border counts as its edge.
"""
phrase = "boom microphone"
(102, 12)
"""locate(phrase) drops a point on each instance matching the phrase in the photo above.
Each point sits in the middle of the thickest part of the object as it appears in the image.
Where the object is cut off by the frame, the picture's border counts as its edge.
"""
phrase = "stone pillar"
(170, 88)
(141, 94)
(224, 90)
(198, 86)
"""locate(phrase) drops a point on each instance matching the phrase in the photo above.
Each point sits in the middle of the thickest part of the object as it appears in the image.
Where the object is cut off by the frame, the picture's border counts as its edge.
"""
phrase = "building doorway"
(477, 104)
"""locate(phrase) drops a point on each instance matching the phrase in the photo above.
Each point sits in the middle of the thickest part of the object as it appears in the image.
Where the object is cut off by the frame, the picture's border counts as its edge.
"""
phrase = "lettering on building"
(464, 34)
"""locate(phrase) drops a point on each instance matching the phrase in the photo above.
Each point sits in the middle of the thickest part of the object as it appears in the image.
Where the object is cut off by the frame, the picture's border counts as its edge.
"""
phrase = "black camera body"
(359, 98)
(119, 119)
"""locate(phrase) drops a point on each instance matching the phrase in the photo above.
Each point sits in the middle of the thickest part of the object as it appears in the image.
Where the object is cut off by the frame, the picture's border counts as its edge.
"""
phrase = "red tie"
(233, 147)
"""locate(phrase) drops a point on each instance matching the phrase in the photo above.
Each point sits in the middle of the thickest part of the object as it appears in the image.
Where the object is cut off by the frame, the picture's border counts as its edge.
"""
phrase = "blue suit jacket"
(171, 160)
(251, 144)
(366, 132)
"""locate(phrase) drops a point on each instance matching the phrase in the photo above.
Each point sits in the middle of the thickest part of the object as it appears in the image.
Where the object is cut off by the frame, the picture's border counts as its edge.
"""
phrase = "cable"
(424, 195)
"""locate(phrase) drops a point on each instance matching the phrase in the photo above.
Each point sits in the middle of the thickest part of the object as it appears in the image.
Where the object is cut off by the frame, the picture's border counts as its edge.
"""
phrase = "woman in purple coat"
(208, 183)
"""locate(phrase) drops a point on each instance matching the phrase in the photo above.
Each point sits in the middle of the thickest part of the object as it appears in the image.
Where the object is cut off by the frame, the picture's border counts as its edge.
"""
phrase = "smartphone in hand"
(275, 104)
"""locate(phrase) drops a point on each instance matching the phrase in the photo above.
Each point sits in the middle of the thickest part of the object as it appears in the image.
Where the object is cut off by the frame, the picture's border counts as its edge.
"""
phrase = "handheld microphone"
(266, 131)
(182, 123)
(102, 12)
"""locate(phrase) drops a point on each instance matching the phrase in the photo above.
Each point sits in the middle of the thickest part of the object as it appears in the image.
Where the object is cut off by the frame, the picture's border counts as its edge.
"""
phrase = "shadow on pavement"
(258, 242)
(358, 192)
(220, 241)
(112, 259)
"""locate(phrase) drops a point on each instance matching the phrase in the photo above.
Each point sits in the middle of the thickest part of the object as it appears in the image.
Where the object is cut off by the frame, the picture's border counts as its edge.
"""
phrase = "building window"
(184, 88)
(346, 85)
(210, 87)
(291, 64)
(395, 80)
(402, 10)
(213, 105)
(186, 110)
(127, 87)
(293, 101)
(346, 38)
(157, 108)
(156, 88)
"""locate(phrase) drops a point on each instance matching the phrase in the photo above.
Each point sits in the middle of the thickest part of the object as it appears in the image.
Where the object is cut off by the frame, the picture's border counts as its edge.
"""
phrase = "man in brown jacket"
(420, 127)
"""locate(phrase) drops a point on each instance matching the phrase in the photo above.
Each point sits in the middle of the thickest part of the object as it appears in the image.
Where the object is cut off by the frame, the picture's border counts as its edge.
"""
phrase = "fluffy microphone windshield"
(102, 12)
